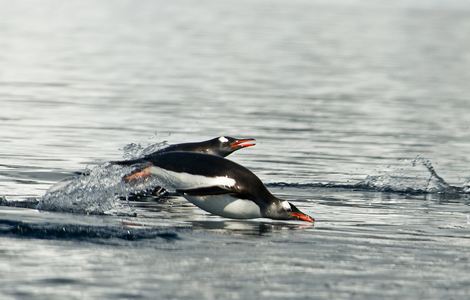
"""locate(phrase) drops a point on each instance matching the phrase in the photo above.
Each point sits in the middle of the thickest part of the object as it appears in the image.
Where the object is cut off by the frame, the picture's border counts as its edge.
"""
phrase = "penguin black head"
(225, 145)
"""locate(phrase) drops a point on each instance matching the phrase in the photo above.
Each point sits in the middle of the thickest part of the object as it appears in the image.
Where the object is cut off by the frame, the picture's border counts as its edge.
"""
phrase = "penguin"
(216, 185)
(220, 146)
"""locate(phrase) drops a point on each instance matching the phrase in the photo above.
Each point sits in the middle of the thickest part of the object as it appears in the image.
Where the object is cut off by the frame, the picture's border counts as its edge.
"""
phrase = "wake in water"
(85, 232)
(410, 179)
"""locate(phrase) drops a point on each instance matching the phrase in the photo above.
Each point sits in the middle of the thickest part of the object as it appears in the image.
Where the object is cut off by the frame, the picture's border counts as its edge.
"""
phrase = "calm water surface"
(360, 109)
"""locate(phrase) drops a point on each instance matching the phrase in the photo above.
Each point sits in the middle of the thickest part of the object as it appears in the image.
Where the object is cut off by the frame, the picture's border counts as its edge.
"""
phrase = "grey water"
(361, 114)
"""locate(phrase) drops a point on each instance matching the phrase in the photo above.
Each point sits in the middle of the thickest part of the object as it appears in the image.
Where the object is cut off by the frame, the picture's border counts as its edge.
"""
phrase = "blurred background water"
(354, 105)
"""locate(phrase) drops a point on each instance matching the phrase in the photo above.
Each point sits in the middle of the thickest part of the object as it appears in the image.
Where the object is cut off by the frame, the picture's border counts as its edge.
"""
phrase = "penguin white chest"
(226, 206)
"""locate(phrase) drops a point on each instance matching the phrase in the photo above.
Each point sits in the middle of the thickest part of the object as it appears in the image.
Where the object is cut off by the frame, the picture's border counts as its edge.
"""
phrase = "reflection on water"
(247, 227)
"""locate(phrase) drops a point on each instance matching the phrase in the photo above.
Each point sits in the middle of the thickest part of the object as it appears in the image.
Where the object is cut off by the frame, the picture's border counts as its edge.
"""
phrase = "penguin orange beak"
(302, 217)
(242, 143)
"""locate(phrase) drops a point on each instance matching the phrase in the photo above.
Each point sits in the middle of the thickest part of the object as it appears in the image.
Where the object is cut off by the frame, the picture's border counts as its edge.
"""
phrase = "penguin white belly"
(180, 180)
(226, 206)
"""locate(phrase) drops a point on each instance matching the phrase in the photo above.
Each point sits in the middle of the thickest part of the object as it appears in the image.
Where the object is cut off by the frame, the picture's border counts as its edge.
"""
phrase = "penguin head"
(295, 214)
(285, 210)
(225, 145)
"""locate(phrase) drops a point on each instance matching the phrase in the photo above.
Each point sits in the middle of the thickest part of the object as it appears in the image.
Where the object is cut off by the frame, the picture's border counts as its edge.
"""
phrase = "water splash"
(98, 191)
(412, 181)
(137, 150)
(90, 193)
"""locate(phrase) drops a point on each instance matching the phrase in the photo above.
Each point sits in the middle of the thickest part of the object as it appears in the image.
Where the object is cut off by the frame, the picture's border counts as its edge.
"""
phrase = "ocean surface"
(360, 108)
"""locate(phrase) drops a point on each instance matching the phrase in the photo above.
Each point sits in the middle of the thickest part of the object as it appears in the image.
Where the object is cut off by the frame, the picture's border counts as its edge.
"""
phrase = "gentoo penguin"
(220, 146)
(217, 185)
